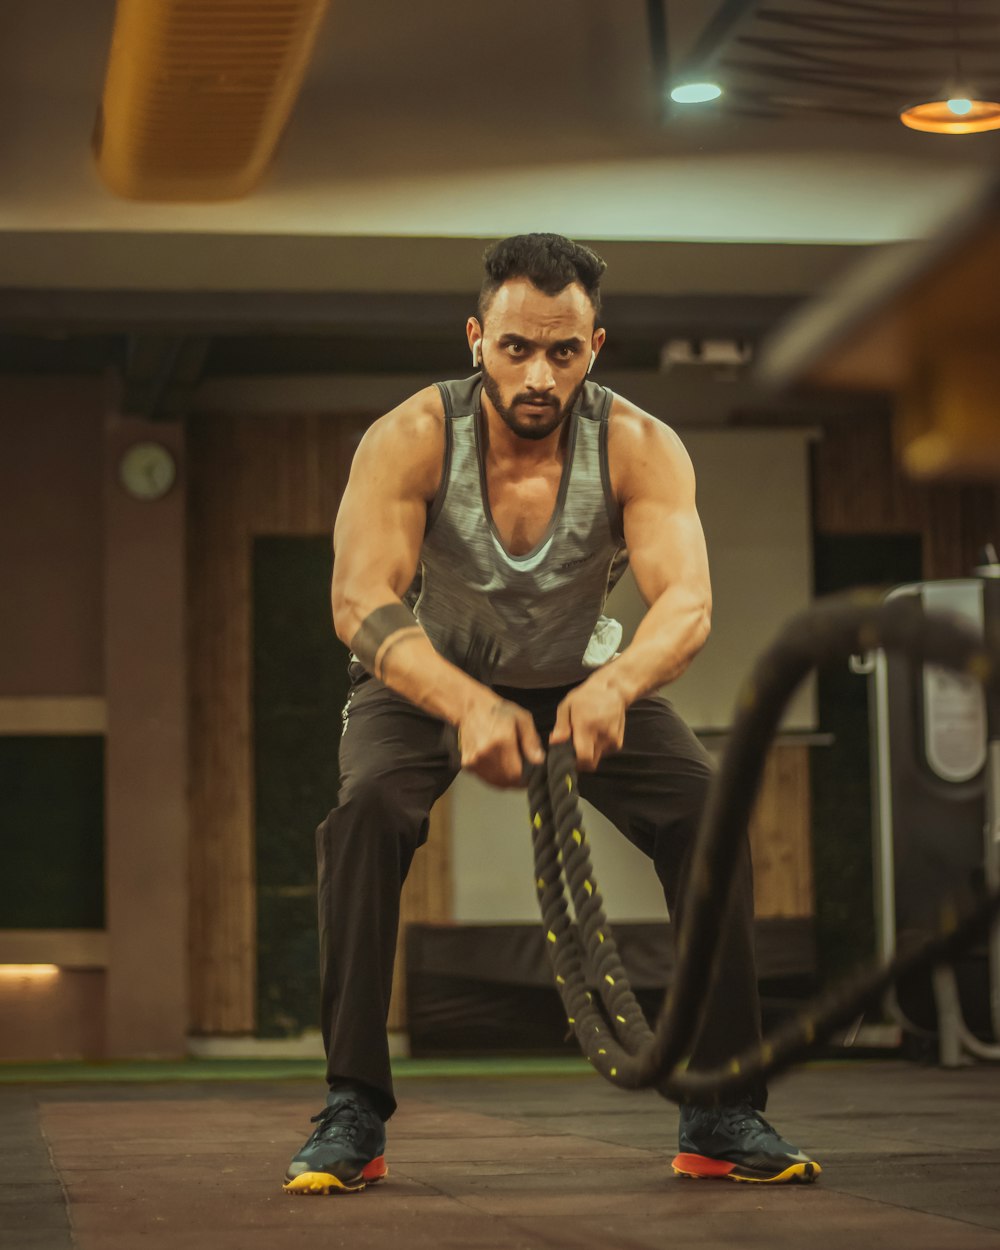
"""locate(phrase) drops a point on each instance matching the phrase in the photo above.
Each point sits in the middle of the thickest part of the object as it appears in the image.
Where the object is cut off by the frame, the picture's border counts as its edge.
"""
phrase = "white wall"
(753, 499)
(492, 860)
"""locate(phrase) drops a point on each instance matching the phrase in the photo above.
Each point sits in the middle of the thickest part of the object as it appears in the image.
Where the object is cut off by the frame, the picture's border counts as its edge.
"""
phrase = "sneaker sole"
(327, 1183)
(700, 1168)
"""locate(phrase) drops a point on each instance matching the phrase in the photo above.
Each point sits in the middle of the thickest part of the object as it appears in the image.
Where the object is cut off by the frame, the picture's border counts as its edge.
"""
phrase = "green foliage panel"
(52, 832)
(300, 686)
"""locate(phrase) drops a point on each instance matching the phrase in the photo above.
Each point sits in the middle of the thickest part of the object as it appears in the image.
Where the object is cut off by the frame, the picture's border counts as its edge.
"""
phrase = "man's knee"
(372, 815)
(692, 789)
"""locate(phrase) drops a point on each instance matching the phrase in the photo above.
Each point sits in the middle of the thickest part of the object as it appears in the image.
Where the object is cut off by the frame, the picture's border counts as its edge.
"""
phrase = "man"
(483, 525)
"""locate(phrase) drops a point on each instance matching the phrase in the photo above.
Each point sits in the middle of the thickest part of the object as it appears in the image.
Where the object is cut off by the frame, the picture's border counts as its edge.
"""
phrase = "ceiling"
(424, 129)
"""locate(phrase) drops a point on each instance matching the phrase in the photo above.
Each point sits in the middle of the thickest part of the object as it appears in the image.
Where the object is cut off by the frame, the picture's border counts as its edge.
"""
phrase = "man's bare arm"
(667, 554)
(652, 475)
(377, 540)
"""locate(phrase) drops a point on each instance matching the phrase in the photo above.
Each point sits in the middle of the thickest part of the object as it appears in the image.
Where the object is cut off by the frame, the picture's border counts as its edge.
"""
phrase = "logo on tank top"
(573, 564)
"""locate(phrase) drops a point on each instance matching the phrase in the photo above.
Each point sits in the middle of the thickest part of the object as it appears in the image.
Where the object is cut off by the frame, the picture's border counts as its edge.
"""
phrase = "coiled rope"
(611, 1028)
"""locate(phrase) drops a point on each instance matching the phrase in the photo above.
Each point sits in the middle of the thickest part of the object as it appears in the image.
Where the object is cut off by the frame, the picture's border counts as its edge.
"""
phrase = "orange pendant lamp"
(960, 113)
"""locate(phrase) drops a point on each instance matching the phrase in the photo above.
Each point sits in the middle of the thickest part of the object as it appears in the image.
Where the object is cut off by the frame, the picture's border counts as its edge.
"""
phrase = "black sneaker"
(736, 1143)
(345, 1152)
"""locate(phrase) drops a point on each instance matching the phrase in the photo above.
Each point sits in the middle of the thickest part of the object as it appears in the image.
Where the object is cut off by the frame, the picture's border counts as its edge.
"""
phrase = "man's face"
(535, 354)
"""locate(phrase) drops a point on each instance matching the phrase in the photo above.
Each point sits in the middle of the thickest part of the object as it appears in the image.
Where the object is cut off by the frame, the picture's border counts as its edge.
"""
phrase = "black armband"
(379, 632)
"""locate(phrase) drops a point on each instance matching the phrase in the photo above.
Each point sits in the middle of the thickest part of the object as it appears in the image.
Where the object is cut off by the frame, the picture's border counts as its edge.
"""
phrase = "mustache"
(534, 399)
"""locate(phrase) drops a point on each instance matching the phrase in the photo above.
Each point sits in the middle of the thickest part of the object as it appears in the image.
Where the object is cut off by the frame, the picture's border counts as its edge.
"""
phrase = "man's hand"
(496, 738)
(593, 717)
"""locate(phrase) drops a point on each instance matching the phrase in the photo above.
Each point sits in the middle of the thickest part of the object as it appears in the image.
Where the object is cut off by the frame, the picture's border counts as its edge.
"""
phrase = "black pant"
(396, 760)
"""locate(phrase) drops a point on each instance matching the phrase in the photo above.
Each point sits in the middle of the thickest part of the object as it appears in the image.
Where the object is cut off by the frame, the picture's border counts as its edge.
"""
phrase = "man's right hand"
(496, 739)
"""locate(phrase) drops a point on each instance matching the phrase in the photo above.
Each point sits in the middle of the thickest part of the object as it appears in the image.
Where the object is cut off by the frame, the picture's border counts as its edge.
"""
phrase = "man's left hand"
(593, 717)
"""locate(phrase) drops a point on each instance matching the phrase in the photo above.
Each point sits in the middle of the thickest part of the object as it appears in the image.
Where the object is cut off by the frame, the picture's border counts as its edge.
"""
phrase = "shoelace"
(344, 1117)
(743, 1115)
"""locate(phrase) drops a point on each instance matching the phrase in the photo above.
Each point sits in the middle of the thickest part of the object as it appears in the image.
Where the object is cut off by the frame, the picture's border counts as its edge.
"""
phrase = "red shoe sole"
(701, 1167)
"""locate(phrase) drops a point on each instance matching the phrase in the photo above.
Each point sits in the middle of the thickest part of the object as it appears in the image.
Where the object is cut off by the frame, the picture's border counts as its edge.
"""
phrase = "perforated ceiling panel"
(198, 92)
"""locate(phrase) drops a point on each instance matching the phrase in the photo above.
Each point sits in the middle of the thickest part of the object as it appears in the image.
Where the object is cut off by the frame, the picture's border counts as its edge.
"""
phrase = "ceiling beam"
(169, 313)
(161, 374)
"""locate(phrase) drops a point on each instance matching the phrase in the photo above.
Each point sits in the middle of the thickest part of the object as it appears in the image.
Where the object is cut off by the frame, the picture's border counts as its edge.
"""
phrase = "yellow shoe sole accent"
(800, 1173)
(324, 1183)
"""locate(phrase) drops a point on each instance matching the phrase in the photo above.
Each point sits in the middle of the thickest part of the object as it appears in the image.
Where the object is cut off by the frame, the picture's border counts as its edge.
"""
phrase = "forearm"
(392, 646)
(422, 675)
(668, 638)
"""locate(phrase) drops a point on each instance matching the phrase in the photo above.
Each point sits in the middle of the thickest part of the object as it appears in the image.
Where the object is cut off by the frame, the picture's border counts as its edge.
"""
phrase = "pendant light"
(961, 113)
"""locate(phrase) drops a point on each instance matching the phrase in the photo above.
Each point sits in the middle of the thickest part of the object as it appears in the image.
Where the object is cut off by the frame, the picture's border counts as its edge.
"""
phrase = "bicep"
(663, 532)
(381, 520)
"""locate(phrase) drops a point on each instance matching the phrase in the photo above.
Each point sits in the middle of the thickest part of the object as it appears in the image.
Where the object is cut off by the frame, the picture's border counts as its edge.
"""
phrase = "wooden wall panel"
(52, 542)
(780, 835)
(250, 476)
(427, 895)
(859, 489)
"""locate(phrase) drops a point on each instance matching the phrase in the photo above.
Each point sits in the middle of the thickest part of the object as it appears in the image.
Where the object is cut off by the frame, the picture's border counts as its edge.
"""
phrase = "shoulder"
(409, 441)
(420, 418)
(640, 447)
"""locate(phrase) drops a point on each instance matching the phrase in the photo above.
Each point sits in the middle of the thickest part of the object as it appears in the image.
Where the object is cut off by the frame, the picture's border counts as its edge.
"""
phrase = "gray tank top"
(532, 620)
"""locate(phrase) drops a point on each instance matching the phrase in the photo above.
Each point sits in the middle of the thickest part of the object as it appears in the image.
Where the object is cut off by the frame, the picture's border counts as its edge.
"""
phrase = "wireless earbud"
(477, 355)
(593, 357)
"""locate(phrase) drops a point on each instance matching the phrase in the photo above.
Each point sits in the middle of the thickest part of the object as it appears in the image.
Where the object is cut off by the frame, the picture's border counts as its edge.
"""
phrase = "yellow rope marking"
(590, 997)
(614, 1071)
(577, 837)
(588, 887)
(602, 1051)
(560, 981)
(600, 936)
(571, 1019)
(551, 936)
(609, 978)
(621, 1019)
(569, 783)
(558, 857)
(537, 822)
(541, 883)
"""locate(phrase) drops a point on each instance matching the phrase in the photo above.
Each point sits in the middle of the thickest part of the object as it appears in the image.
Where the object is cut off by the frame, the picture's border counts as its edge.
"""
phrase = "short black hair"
(550, 261)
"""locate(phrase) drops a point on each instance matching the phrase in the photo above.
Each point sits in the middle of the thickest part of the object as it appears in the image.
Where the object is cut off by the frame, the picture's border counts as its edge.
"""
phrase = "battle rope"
(611, 1029)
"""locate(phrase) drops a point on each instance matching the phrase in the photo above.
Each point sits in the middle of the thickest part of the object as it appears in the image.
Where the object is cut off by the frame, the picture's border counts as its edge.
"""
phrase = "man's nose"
(539, 376)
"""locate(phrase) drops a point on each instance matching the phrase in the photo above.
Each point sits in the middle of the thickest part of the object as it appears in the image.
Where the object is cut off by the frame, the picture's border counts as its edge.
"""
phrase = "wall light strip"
(28, 971)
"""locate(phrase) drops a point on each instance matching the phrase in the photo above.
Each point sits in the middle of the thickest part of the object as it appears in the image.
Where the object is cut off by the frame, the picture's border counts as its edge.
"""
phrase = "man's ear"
(596, 343)
(474, 333)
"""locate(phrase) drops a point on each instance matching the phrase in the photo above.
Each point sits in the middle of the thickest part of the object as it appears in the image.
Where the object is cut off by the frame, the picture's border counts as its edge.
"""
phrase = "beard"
(537, 427)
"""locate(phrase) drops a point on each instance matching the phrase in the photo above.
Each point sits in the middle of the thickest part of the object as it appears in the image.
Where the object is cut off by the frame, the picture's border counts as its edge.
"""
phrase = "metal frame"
(956, 1043)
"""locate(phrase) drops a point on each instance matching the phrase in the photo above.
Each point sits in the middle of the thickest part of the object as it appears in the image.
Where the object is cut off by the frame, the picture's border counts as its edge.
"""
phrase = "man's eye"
(565, 353)
(515, 349)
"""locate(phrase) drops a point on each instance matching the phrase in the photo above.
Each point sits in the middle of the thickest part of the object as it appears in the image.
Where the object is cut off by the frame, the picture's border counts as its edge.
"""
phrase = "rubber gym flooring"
(530, 1156)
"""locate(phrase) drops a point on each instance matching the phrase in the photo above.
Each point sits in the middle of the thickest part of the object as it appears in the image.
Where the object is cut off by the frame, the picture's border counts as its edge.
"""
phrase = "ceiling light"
(695, 92)
(957, 116)
(960, 113)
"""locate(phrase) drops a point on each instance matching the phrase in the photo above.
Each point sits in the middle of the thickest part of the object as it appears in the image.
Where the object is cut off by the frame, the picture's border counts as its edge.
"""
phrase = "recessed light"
(695, 92)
